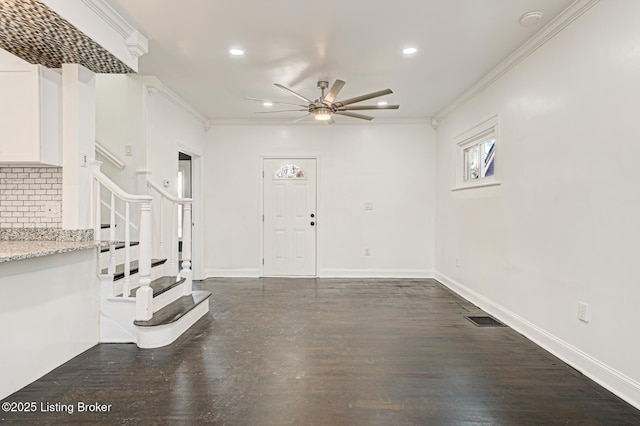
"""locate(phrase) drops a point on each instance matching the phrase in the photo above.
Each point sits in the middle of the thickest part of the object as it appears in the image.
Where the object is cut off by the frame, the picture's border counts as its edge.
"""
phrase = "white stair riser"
(104, 234)
(116, 325)
(104, 256)
(162, 300)
(156, 272)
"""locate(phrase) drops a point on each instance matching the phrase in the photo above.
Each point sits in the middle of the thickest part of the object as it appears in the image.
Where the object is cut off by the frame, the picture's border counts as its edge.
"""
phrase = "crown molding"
(548, 32)
(154, 86)
(110, 16)
(136, 43)
(288, 121)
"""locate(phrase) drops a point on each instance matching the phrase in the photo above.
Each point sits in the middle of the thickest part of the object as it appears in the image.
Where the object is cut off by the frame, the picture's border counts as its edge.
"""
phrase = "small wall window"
(289, 171)
(476, 162)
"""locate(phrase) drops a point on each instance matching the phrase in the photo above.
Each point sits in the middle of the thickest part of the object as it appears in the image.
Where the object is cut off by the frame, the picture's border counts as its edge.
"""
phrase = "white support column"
(186, 249)
(78, 144)
(144, 294)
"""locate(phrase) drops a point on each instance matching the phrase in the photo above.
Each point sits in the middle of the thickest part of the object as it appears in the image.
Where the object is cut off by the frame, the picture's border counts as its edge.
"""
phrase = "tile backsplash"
(24, 196)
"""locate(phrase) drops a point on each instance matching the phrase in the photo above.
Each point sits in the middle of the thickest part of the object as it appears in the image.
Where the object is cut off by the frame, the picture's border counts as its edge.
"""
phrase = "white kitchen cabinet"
(30, 115)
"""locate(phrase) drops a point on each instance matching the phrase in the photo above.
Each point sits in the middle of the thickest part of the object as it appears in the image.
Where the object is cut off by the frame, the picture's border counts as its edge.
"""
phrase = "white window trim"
(467, 139)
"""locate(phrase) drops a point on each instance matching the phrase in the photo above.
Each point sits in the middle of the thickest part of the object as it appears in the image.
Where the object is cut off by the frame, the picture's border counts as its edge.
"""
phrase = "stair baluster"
(171, 252)
(186, 248)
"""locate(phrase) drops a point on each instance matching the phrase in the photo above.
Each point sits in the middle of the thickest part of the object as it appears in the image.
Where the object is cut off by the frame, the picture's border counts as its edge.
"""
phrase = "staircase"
(146, 297)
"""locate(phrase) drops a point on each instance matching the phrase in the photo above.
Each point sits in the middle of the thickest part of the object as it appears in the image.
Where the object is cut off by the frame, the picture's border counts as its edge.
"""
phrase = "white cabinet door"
(19, 114)
(289, 217)
(30, 111)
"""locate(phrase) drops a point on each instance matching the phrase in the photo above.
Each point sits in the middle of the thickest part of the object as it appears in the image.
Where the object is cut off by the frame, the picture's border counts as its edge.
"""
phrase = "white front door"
(289, 217)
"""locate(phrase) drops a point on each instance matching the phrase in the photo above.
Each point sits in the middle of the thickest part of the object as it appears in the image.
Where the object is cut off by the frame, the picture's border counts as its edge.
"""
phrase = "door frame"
(197, 239)
(318, 197)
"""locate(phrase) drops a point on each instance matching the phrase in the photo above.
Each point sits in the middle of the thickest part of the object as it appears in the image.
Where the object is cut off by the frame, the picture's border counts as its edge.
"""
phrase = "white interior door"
(289, 217)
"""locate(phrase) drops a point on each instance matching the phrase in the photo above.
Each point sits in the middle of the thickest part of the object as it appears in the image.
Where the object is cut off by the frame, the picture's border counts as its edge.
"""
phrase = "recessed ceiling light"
(236, 52)
(382, 103)
(409, 50)
(530, 18)
(267, 104)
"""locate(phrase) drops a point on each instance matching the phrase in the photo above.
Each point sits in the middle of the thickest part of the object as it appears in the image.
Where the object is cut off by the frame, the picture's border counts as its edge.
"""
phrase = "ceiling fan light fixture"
(322, 115)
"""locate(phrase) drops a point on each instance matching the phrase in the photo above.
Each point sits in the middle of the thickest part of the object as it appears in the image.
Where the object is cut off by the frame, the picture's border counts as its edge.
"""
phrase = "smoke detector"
(530, 18)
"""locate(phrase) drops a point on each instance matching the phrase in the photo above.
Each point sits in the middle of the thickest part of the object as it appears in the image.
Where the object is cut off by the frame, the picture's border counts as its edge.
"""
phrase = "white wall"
(120, 121)
(563, 226)
(48, 315)
(170, 128)
(391, 165)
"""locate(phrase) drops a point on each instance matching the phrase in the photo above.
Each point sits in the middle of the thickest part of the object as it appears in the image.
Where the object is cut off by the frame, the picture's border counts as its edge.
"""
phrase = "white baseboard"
(328, 273)
(625, 387)
(375, 273)
(232, 273)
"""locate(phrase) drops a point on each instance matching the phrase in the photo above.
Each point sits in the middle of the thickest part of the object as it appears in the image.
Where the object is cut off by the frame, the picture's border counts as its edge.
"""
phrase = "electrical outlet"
(367, 252)
(52, 208)
(583, 312)
(368, 206)
(457, 262)
(128, 150)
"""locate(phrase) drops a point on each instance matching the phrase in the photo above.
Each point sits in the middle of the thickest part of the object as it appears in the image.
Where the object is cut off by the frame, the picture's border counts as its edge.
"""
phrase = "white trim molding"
(104, 152)
(232, 273)
(154, 86)
(548, 32)
(311, 122)
(375, 273)
(603, 374)
(110, 16)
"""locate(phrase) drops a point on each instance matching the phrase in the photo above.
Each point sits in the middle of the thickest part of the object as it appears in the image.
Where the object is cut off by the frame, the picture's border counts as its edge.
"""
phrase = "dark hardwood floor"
(327, 352)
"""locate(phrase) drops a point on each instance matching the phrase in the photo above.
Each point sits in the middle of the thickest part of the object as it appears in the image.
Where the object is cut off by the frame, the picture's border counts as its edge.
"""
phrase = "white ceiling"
(298, 42)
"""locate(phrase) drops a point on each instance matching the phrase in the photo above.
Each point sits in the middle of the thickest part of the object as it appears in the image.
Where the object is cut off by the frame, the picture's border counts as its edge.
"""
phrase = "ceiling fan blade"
(363, 107)
(363, 97)
(297, 95)
(333, 92)
(354, 115)
(301, 118)
(274, 102)
(282, 110)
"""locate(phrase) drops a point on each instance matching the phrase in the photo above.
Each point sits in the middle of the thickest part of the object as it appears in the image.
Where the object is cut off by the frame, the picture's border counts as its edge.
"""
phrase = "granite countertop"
(16, 250)
(26, 243)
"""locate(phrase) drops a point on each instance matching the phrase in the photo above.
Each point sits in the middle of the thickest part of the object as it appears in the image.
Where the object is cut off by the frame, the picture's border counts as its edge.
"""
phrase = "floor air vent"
(485, 321)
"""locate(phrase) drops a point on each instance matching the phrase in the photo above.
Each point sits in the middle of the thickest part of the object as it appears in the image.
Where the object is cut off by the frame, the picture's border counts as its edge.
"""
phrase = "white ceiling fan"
(324, 107)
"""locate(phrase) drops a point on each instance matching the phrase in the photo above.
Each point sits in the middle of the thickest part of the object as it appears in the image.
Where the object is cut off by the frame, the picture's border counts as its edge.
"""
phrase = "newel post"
(144, 294)
(186, 249)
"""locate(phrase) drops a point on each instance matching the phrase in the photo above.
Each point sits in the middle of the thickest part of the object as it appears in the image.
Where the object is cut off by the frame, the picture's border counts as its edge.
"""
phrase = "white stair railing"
(144, 294)
(171, 252)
